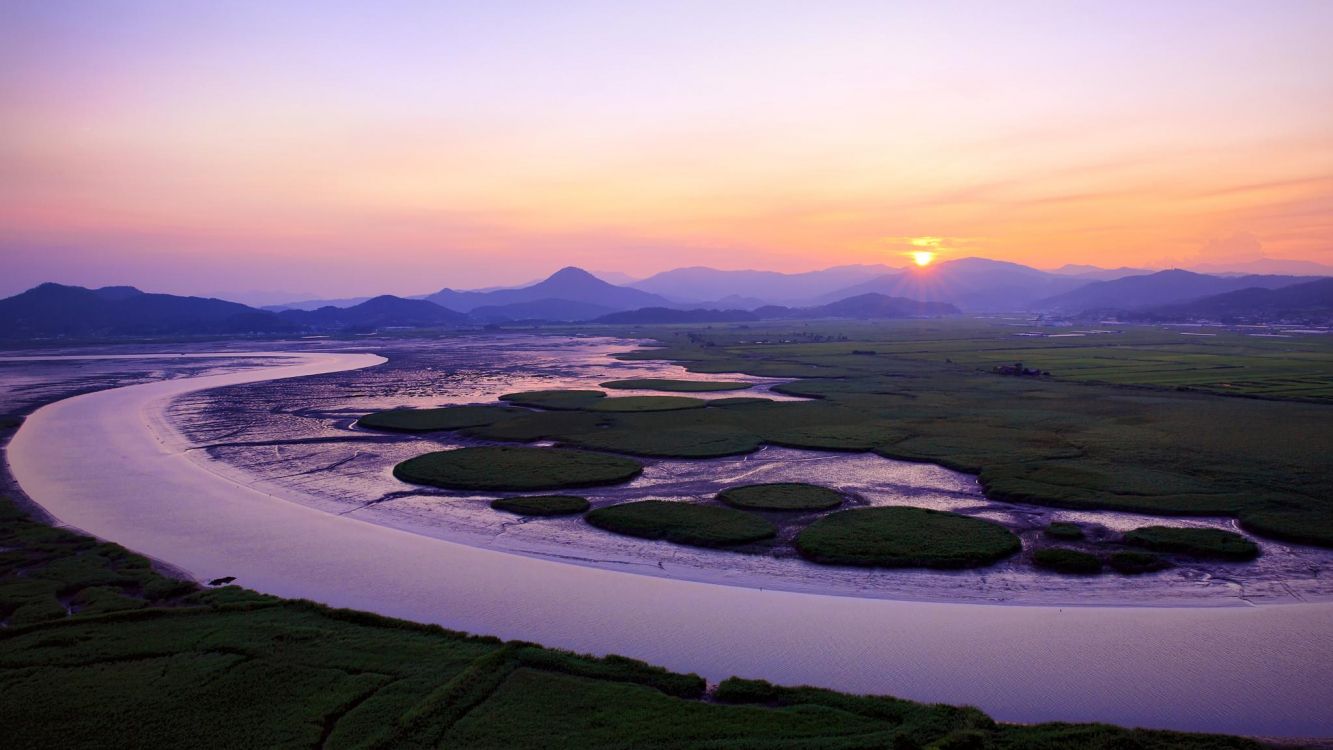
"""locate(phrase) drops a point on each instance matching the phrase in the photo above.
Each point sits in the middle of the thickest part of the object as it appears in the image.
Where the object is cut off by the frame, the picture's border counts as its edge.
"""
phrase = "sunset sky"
(346, 148)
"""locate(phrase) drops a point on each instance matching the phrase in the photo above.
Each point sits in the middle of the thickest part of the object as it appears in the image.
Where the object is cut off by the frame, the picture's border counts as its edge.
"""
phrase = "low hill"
(1311, 302)
(385, 311)
(572, 284)
(862, 306)
(1155, 289)
(559, 310)
(650, 315)
(56, 310)
(865, 306)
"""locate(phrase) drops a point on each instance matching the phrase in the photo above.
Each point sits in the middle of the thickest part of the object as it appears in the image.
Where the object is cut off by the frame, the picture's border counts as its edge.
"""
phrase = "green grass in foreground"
(228, 668)
(683, 523)
(900, 537)
(1062, 560)
(1211, 543)
(508, 468)
(429, 420)
(676, 386)
(781, 496)
(542, 505)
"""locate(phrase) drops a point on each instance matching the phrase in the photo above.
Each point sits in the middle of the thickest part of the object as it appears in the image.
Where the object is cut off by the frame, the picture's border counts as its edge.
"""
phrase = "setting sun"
(923, 257)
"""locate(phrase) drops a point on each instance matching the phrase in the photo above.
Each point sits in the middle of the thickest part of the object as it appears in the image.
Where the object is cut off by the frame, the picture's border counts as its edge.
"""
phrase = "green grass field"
(172, 665)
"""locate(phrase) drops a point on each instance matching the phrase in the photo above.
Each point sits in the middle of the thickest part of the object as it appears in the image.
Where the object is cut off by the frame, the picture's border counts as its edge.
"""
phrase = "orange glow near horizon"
(923, 258)
(240, 146)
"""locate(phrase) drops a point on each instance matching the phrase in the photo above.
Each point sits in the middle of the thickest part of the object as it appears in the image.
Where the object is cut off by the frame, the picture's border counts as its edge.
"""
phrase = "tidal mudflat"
(299, 437)
(1149, 666)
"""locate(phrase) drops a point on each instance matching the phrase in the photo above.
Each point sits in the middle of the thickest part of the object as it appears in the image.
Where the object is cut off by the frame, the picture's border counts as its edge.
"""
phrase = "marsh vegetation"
(783, 496)
(516, 469)
(900, 537)
(683, 523)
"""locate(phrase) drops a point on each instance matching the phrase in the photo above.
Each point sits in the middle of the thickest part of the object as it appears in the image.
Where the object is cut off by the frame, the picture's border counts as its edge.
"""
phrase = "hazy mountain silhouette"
(974, 284)
(1311, 301)
(315, 304)
(573, 284)
(1097, 273)
(699, 283)
(1266, 266)
(649, 315)
(384, 311)
(863, 306)
(561, 310)
(52, 310)
(1154, 289)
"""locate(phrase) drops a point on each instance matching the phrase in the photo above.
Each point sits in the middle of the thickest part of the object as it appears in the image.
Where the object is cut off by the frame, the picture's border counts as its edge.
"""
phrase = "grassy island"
(901, 537)
(676, 386)
(648, 403)
(683, 523)
(1070, 532)
(516, 469)
(1206, 543)
(557, 399)
(444, 418)
(542, 505)
(1134, 563)
(781, 496)
(1064, 560)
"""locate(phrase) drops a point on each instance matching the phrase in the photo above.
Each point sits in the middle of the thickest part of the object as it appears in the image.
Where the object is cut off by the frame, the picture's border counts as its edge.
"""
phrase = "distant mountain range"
(1096, 273)
(52, 310)
(574, 295)
(386, 311)
(700, 284)
(1308, 302)
(972, 284)
(571, 284)
(1154, 289)
(865, 307)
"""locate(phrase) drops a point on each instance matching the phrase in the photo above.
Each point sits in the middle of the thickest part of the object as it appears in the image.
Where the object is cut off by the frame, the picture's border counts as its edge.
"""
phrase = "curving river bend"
(111, 463)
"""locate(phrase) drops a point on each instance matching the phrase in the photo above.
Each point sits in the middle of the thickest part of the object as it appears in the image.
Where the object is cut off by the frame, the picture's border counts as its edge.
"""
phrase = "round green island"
(683, 523)
(794, 496)
(1064, 560)
(647, 403)
(1203, 543)
(905, 537)
(555, 400)
(516, 469)
(542, 505)
(431, 420)
(676, 386)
